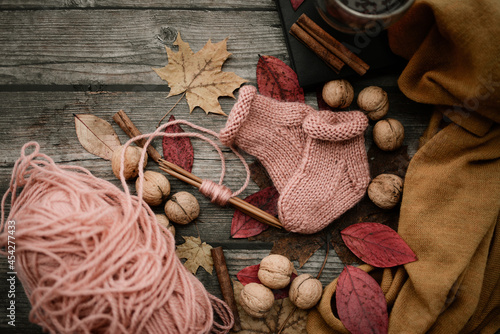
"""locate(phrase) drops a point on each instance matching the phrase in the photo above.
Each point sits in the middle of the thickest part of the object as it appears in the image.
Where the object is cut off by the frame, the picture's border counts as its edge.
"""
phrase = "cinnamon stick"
(130, 129)
(332, 44)
(225, 284)
(328, 57)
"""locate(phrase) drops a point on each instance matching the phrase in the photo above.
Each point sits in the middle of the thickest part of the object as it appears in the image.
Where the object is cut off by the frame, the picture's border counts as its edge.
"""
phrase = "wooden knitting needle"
(131, 130)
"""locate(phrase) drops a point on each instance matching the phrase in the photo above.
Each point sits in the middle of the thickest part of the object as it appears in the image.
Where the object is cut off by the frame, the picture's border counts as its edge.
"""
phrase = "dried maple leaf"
(197, 254)
(199, 75)
(259, 175)
(282, 308)
(293, 245)
(96, 135)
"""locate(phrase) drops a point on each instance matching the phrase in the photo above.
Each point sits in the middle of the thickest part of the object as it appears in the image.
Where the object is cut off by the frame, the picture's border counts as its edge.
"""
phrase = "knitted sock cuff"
(335, 126)
(238, 115)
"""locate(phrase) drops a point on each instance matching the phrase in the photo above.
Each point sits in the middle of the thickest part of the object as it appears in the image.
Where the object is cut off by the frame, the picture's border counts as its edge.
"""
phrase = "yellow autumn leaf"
(274, 320)
(196, 254)
(200, 75)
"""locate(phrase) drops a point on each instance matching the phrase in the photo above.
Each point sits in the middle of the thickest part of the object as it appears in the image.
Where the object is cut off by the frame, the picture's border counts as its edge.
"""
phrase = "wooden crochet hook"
(125, 123)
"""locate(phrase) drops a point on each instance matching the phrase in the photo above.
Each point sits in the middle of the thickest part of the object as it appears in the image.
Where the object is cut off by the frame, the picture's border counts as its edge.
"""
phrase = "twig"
(176, 103)
(326, 255)
(318, 276)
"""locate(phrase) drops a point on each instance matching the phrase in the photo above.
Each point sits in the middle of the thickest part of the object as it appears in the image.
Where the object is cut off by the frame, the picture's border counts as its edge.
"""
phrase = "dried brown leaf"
(294, 246)
(274, 320)
(200, 75)
(197, 254)
(96, 135)
(259, 175)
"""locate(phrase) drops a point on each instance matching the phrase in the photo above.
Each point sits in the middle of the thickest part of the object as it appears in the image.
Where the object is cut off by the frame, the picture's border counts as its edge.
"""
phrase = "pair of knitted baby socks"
(316, 159)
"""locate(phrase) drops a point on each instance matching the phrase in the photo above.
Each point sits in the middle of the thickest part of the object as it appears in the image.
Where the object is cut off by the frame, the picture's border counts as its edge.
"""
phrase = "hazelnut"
(256, 299)
(182, 208)
(374, 102)
(155, 187)
(388, 134)
(275, 271)
(385, 190)
(305, 291)
(338, 93)
(132, 157)
(163, 221)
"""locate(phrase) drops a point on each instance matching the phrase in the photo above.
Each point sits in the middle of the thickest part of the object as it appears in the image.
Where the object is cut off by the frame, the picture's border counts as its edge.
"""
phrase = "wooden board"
(74, 56)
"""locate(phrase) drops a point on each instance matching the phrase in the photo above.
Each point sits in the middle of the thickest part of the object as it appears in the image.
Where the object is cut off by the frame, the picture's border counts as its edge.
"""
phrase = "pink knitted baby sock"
(269, 130)
(333, 174)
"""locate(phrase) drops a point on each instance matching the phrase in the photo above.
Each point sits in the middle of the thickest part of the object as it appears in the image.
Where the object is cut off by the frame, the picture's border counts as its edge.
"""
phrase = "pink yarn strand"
(217, 192)
(92, 258)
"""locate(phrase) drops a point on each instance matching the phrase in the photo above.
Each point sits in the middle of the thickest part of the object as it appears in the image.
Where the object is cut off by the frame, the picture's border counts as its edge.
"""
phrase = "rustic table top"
(65, 57)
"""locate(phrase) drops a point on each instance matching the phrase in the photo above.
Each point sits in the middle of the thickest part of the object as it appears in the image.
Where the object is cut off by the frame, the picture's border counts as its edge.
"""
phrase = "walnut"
(388, 134)
(338, 93)
(374, 102)
(132, 157)
(305, 291)
(275, 271)
(256, 299)
(182, 208)
(163, 221)
(155, 188)
(385, 190)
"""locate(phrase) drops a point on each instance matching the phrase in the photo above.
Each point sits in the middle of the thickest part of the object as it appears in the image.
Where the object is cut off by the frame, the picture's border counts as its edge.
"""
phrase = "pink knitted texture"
(333, 174)
(93, 259)
(269, 130)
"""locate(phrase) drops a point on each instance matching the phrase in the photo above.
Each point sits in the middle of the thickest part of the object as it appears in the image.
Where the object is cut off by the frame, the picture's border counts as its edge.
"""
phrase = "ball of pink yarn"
(92, 259)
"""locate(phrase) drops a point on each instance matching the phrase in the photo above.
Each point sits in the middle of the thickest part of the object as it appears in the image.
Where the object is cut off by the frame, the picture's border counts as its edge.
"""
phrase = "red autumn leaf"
(377, 244)
(360, 302)
(277, 80)
(178, 150)
(296, 3)
(250, 275)
(322, 105)
(243, 226)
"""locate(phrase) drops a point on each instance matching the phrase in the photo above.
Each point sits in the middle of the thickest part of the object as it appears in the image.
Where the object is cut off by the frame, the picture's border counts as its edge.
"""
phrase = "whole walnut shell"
(374, 102)
(305, 291)
(155, 187)
(338, 93)
(275, 271)
(388, 134)
(163, 220)
(256, 299)
(131, 166)
(182, 208)
(385, 190)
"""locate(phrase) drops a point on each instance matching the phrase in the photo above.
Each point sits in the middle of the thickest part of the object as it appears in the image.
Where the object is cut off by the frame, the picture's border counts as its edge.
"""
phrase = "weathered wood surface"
(86, 56)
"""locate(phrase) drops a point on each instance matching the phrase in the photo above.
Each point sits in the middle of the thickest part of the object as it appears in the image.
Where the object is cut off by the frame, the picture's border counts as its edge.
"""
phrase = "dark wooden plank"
(191, 5)
(120, 47)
